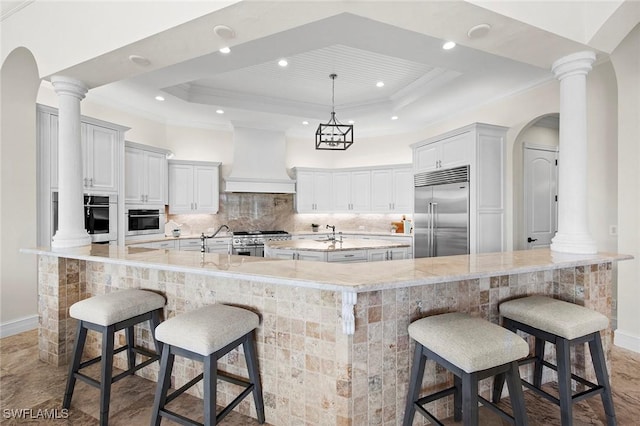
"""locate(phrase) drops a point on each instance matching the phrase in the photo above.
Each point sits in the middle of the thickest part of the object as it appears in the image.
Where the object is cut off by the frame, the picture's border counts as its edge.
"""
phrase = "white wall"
(18, 272)
(626, 62)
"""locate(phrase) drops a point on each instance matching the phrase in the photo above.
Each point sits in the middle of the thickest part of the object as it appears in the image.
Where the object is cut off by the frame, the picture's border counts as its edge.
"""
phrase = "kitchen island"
(333, 345)
(332, 250)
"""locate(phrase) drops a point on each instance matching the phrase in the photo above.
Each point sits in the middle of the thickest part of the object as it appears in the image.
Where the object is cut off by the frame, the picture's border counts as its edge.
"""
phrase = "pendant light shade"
(334, 135)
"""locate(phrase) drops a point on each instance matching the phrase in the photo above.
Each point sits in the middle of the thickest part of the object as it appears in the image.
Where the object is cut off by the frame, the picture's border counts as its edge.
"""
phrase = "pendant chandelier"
(334, 135)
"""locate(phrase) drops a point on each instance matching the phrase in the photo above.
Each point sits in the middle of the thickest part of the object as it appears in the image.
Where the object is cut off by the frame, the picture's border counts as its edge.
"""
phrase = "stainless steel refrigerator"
(441, 218)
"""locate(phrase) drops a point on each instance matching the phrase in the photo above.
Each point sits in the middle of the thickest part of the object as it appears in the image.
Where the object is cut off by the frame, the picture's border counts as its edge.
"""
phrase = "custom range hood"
(259, 163)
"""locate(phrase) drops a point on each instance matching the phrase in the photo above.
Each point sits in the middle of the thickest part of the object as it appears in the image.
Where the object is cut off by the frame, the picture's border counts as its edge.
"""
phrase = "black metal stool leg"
(516, 395)
(153, 323)
(164, 382)
(210, 389)
(457, 398)
(81, 337)
(539, 353)
(470, 399)
(249, 346)
(131, 355)
(417, 373)
(563, 355)
(600, 367)
(107, 371)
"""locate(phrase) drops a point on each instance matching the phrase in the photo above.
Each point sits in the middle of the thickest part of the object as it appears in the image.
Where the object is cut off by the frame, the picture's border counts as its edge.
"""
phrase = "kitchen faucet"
(203, 237)
(333, 229)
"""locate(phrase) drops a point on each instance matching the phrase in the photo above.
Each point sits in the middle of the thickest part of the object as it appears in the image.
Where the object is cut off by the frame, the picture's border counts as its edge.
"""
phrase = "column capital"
(574, 64)
(69, 86)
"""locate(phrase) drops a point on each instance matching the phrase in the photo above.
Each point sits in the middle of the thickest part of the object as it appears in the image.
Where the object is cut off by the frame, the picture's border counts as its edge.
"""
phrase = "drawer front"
(348, 256)
(190, 244)
(165, 245)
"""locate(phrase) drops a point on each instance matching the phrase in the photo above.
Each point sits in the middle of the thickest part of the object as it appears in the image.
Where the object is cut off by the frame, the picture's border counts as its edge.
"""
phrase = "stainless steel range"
(251, 243)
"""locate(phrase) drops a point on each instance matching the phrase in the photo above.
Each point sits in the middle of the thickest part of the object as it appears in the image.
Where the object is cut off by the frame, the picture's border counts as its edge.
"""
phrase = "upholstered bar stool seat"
(206, 335)
(107, 314)
(563, 324)
(472, 349)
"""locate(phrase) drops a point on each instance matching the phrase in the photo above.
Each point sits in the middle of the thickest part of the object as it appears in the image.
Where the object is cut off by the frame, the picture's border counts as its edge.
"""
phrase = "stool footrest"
(183, 388)
(490, 405)
(435, 396)
(178, 418)
(428, 415)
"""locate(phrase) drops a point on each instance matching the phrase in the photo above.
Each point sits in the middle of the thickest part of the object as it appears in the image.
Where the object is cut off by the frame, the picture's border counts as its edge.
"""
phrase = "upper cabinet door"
(305, 201)
(322, 192)
(341, 191)
(133, 175)
(155, 178)
(361, 191)
(381, 190)
(100, 152)
(206, 192)
(180, 188)
(403, 190)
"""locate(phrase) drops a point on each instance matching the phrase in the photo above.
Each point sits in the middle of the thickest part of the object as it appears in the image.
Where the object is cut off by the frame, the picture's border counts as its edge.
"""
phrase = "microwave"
(144, 221)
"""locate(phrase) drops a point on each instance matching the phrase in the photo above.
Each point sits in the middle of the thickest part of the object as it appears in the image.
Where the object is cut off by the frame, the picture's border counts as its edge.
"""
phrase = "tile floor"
(27, 383)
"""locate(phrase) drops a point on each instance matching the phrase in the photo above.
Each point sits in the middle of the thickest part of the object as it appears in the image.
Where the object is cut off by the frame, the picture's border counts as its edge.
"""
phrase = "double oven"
(100, 217)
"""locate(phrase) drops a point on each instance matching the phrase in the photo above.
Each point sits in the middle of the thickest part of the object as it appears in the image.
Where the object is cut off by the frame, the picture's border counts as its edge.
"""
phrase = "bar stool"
(472, 349)
(206, 335)
(107, 314)
(563, 324)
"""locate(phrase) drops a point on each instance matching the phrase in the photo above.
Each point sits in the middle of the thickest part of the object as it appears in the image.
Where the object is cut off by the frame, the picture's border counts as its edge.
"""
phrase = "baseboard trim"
(18, 326)
(626, 340)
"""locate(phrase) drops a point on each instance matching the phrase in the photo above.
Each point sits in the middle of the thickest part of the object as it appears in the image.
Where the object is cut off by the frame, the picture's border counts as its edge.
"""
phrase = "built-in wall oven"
(100, 217)
(143, 221)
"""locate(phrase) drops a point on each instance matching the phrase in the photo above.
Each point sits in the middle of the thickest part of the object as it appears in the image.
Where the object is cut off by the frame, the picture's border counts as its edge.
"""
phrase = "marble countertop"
(355, 277)
(326, 245)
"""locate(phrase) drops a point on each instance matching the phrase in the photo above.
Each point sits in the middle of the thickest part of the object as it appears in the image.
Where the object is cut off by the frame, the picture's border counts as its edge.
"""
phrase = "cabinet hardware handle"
(349, 255)
(196, 204)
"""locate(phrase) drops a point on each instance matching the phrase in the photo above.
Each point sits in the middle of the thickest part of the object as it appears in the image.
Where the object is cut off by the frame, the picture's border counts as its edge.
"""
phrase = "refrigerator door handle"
(430, 237)
(434, 227)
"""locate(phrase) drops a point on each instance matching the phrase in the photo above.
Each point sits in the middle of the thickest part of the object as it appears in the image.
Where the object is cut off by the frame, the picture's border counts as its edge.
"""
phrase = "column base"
(68, 239)
(573, 243)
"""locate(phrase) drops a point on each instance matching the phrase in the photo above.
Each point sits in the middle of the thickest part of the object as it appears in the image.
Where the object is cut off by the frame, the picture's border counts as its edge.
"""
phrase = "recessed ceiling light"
(159, 98)
(478, 31)
(380, 84)
(448, 45)
(224, 32)
(219, 111)
(225, 50)
(395, 117)
(351, 121)
(283, 63)
(139, 60)
(305, 122)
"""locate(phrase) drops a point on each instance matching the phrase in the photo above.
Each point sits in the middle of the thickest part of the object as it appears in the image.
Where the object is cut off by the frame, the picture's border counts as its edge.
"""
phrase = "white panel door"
(156, 178)
(361, 191)
(322, 186)
(100, 156)
(456, 150)
(540, 192)
(205, 189)
(305, 201)
(180, 188)
(133, 175)
(382, 185)
(402, 190)
(341, 183)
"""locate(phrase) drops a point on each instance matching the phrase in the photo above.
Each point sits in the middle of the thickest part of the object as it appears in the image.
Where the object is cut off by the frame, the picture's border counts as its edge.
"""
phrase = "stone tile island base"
(312, 372)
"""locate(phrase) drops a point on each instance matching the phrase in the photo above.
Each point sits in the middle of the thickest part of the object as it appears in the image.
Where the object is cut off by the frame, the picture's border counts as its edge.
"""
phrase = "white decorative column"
(71, 232)
(573, 232)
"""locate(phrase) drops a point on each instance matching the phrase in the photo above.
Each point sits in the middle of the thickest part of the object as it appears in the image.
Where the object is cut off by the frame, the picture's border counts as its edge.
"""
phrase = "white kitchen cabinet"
(351, 191)
(100, 158)
(313, 191)
(444, 153)
(145, 175)
(212, 245)
(378, 255)
(482, 148)
(392, 190)
(189, 244)
(194, 187)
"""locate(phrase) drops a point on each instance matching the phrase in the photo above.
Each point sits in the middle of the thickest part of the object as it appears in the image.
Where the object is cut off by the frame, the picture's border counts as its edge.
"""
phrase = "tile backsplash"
(253, 211)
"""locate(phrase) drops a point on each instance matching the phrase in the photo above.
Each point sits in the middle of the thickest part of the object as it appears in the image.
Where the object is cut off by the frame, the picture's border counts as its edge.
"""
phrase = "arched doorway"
(20, 82)
(535, 182)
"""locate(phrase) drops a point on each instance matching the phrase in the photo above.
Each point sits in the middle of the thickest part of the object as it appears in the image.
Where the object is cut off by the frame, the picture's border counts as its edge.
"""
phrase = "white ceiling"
(423, 82)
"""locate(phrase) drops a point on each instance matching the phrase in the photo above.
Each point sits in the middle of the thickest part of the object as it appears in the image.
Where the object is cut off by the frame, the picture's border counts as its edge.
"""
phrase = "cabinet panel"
(206, 192)
(341, 191)
(133, 175)
(193, 187)
(456, 150)
(361, 191)
(322, 192)
(403, 190)
(304, 192)
(426, 157)
(381, 190)
(180, 189)
(156, 178)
